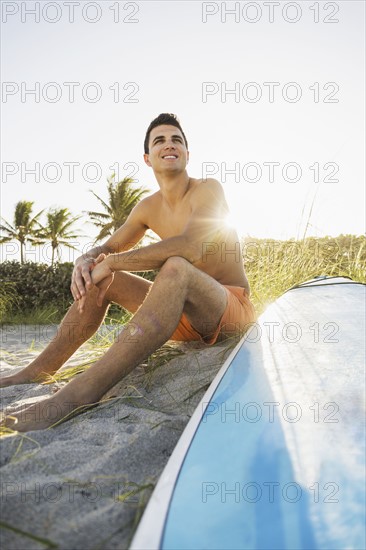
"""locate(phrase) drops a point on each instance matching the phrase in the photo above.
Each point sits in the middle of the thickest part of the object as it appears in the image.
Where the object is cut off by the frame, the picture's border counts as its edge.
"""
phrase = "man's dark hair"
(163, 118)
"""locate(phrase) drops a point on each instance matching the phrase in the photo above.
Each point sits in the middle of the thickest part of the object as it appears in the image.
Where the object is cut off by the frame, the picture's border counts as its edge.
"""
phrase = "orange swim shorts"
(238, 315)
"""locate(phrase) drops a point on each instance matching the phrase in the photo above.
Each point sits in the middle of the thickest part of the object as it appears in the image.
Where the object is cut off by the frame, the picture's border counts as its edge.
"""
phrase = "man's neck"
(173, 187)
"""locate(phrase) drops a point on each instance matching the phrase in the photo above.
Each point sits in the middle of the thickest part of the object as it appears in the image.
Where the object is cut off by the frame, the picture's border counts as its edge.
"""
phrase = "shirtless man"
(200, 293)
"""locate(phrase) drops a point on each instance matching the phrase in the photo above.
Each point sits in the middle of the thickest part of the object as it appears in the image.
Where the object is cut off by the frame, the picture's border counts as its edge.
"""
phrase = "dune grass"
(38, 316)
(100, 345)
(8, 298)
(273, 267)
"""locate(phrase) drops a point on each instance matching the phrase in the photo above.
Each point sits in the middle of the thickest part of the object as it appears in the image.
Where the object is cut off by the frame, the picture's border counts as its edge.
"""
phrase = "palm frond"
(122, 198)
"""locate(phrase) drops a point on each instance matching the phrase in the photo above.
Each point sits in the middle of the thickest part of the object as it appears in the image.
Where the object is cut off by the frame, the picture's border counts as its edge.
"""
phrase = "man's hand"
(96, 273)
(102, 276)
(81, 280)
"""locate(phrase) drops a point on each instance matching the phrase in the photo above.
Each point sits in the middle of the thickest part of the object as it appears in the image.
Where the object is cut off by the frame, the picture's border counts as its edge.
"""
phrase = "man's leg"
(127, 289)
(179, 286)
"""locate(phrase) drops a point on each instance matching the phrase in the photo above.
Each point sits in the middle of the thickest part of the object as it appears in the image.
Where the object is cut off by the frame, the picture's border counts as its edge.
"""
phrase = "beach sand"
(84, 483)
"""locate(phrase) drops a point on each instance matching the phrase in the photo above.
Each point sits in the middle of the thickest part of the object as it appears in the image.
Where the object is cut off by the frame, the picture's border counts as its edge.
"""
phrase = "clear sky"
(292, 129)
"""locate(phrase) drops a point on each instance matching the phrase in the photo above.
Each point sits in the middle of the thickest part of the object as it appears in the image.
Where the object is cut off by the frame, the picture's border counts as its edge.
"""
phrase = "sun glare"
(230, 222)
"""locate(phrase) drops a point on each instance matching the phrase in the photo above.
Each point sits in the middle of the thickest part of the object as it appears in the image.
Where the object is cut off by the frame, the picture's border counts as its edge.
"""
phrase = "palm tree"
(58, 230)
(24, 227)
(122, 198)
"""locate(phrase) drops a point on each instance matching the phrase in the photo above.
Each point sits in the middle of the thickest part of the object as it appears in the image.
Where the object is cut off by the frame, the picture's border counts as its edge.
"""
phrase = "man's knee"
(92, 294)
(176, 266)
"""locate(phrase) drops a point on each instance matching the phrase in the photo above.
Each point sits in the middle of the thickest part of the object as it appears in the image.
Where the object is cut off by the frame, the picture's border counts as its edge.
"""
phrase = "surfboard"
(273, 457)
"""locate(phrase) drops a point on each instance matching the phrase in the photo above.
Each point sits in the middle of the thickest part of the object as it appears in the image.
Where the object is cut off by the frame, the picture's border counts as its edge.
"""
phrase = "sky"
(270, 96)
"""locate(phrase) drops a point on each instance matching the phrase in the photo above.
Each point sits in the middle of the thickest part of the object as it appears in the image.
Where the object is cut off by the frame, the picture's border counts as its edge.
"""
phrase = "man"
(200, 293)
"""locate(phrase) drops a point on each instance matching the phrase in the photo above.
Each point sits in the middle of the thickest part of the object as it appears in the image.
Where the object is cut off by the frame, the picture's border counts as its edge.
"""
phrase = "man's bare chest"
(167, 223)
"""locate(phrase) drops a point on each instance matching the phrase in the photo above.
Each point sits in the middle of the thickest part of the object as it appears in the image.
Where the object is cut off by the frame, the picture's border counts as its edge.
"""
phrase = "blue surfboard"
(273, 457)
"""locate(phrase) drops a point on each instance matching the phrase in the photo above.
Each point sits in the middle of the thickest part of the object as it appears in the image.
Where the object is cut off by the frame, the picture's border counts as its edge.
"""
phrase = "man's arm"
(208, 211)
(129, 234)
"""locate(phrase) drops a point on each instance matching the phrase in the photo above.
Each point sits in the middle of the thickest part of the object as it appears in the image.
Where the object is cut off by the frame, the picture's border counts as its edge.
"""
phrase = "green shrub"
(37, 285)
(36, 293)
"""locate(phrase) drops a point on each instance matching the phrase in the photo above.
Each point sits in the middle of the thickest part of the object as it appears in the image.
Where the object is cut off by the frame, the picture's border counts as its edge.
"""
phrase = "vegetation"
(33, 293)
(24, 226)
(27, 228)
(274, 266)
(38, 293)
(8, 297)
(58, 230)
(122, 198)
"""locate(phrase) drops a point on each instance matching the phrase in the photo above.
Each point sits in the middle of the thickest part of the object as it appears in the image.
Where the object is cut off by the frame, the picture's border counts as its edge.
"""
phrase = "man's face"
(167, 149)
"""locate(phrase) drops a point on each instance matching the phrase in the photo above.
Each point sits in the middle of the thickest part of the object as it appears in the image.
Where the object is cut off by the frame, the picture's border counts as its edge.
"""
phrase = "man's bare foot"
(12, 381)
(20, 378)
(38, 416)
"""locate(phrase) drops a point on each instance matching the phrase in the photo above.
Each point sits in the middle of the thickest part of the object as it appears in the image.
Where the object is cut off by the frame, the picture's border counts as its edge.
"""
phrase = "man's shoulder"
(147, 208)
(206, 182)
(207, 187)
(149, 201)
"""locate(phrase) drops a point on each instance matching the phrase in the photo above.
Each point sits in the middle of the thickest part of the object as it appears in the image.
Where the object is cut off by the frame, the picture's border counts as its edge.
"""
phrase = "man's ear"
(187, 157)
(146, 159)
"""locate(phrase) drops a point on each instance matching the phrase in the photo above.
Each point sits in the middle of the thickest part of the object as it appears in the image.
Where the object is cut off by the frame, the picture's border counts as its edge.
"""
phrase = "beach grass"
(8, 298)
(45, 315)
(273, 267)
(100, 345)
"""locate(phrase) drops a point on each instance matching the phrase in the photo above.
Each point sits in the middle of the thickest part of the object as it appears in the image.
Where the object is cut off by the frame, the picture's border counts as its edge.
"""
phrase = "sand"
(84, 483)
